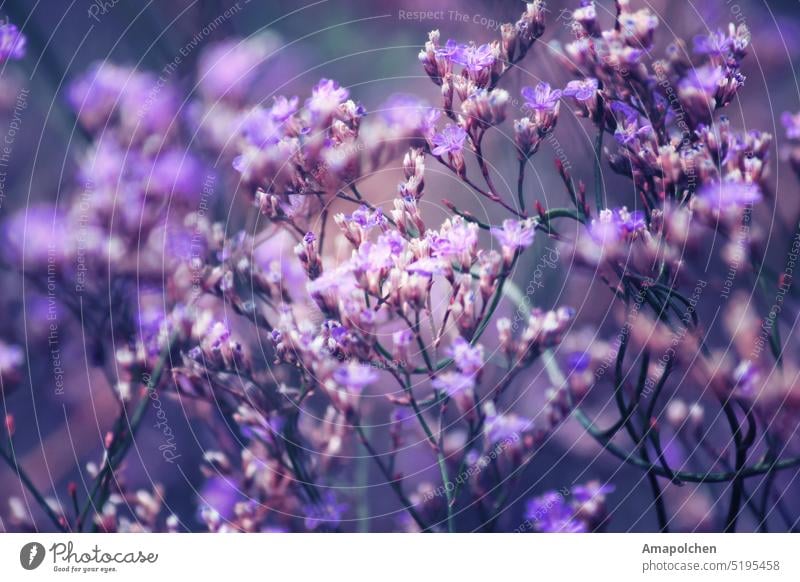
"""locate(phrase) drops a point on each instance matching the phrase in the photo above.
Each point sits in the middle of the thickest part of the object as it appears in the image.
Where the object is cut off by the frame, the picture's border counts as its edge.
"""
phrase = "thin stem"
(442, 462)
(741, 457)
(11, 461)
(598, 153)
(115, 457)
(395, 484)
(520, 184)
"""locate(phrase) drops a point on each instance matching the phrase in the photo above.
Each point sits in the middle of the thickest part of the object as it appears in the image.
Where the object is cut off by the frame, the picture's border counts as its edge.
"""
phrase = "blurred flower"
(12, 358)
(453, 383)
(354, 376)
(468, 358)
(582, 89)
(12, 42)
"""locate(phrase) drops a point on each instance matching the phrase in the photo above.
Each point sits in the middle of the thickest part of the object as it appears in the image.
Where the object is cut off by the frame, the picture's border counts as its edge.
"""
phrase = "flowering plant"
(325, 342)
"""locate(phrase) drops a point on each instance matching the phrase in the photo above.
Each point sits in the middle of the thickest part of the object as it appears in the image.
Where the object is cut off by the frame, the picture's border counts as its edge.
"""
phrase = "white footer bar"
(406, 557)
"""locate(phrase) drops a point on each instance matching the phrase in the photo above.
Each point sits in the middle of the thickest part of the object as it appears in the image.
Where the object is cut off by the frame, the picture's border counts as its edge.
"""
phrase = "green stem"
(115, 456)
(11, 461)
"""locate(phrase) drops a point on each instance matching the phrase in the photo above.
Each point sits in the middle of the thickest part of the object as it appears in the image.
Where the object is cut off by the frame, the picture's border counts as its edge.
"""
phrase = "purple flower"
(449, 140)
(176, 174)
(427, 266)
(372, 257)
(339, 281)
(366, 218)
(515, 234)
(260, 128)
(453, 383)
(705, 79)
(582, 89)
(283, 108)
(354, 376)
(542, 98)
(227, 69)
(473, 58)
(402, 110)
(629, 125)
(221, 495)
(551, 513)
(95, 94)
(792, 124)
(448, 50)
(459, 242)
(730, 194)
(327, 511)
(326, 96)
(591, 491)
(578, 361)
(628, 113)
(35, 237)
(720, 44)
(403, 338)
(615, 225)
(716, 43)
(747, 374)
(11, 360)
(468, 358)
(503, 427)
(12, 42)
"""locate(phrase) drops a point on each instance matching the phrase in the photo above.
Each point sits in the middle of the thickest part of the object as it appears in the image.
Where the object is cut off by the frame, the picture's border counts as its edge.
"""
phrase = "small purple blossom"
(12, 42)
(515, 234)
(614, 225)
(454, 383)
(375, 256)
(427, 267)
(354, 376)
(628, 113)
(591, 491)
(11, 360)
(791, 122)
(551, 513)
(705, 79)
(541, 98)
(448, 50)
(366, 218)
(503, 427)
(260, 128)
(730, 194)
(228, 69)
(715, 43)
(474, 59)
(576, 510)
(578, 361)
(468, 358)
(325, 98)
(449, 141)
(581, 89)
(283, 108)
(455, 243)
